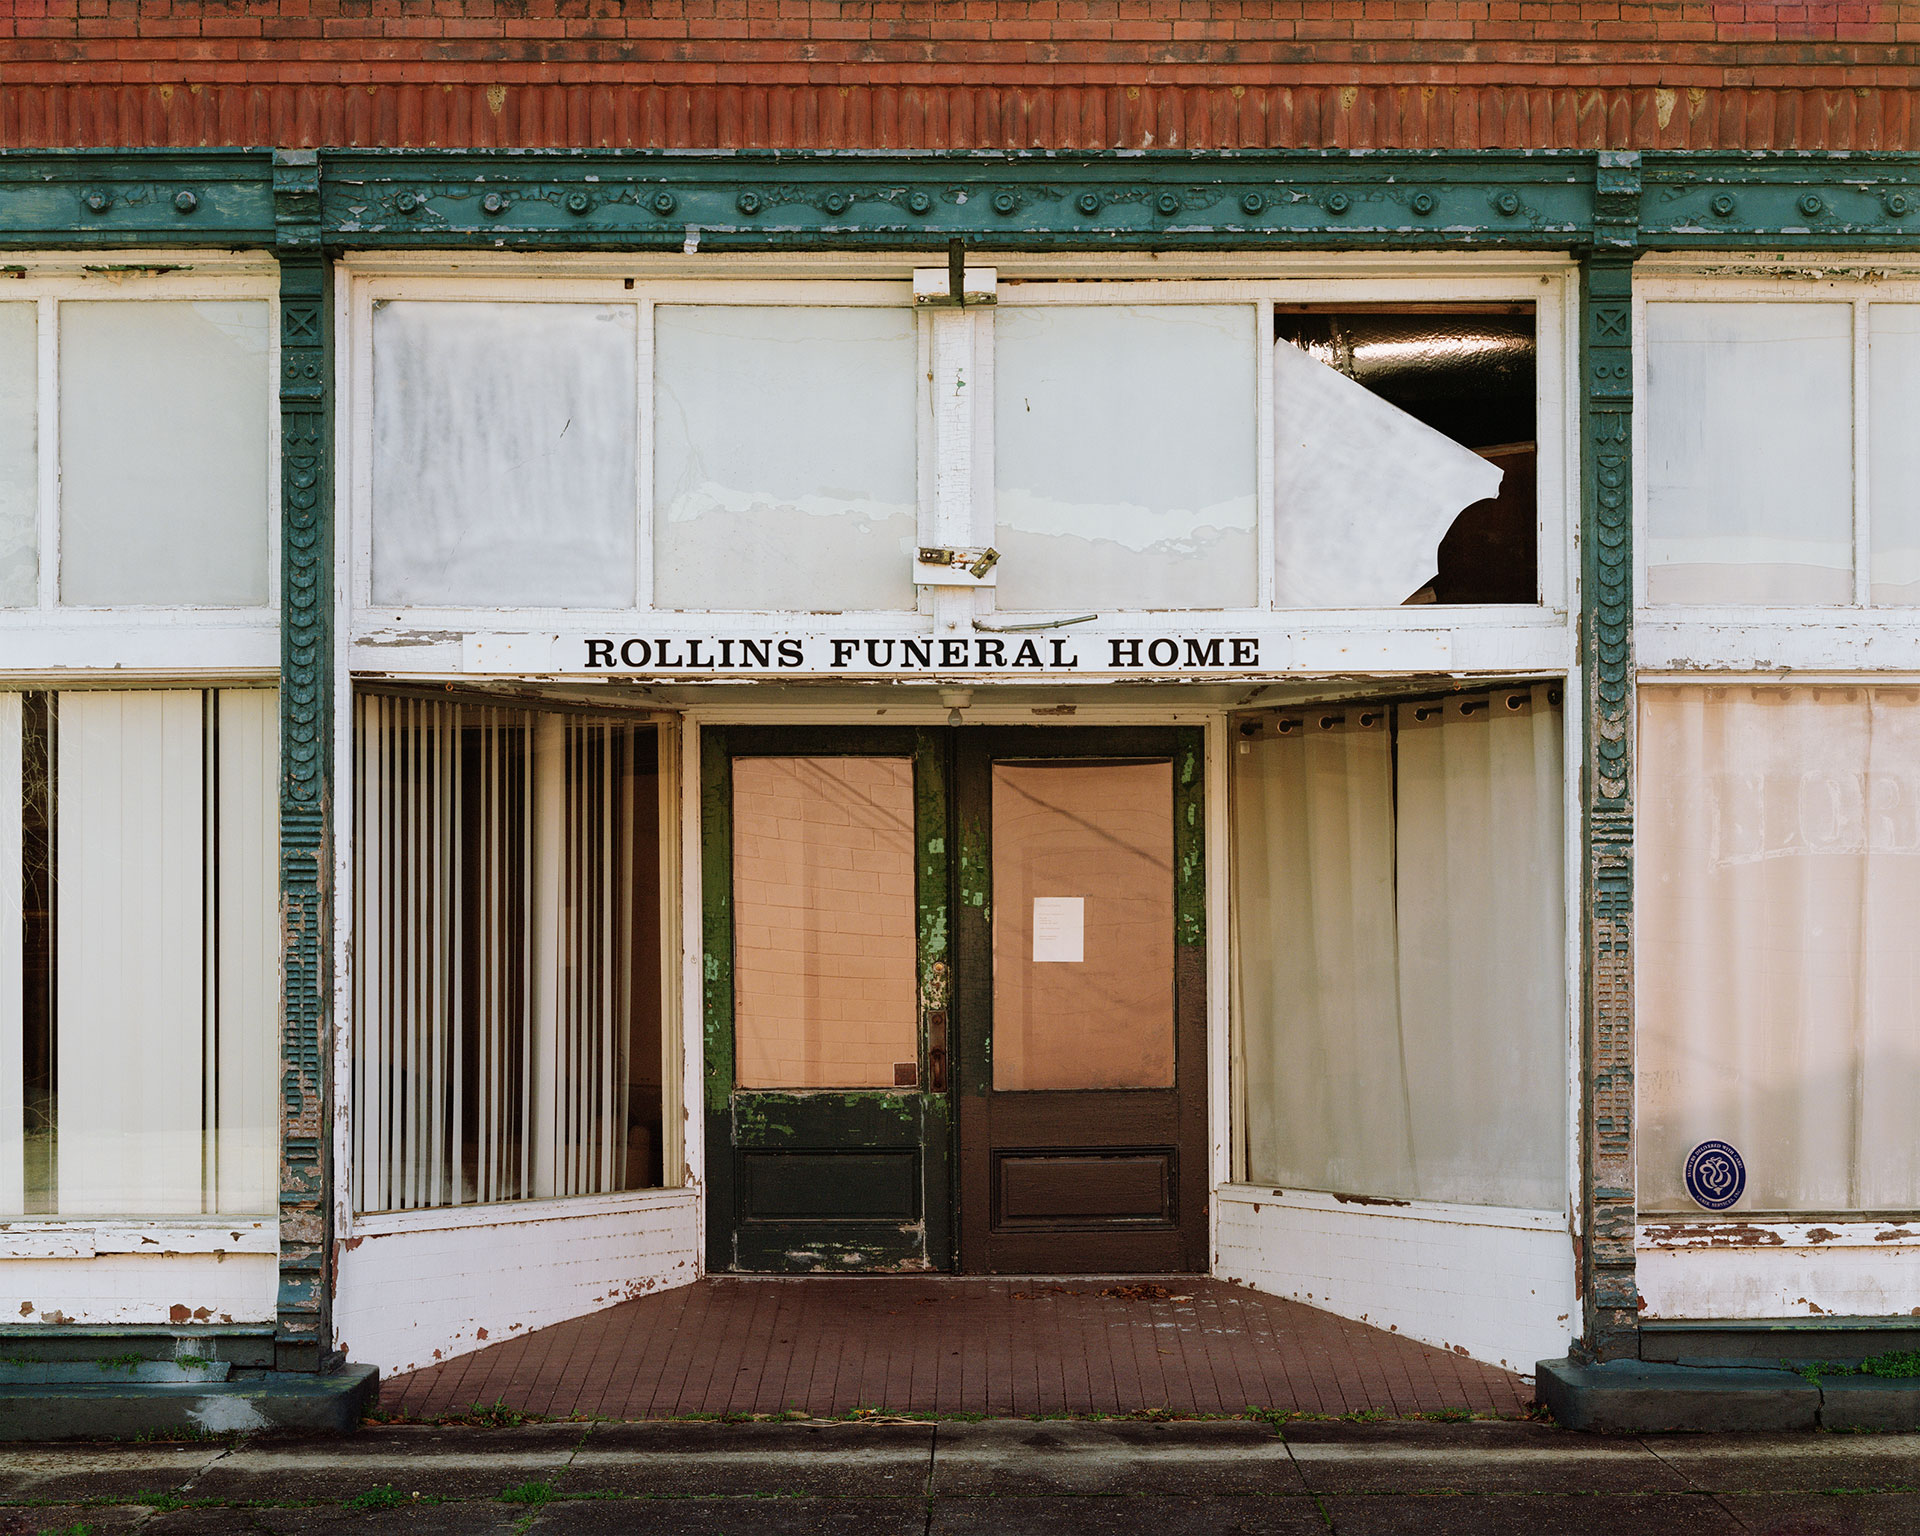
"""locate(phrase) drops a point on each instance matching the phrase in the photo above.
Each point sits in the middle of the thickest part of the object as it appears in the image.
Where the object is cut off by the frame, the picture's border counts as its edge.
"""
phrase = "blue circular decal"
(1715, 1175)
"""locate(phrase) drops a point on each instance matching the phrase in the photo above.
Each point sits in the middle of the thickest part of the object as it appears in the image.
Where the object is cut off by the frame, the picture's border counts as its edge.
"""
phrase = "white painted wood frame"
(56, 641)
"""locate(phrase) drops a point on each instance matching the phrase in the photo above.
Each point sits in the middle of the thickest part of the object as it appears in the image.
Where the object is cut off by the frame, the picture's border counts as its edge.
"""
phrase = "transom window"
(611, 446)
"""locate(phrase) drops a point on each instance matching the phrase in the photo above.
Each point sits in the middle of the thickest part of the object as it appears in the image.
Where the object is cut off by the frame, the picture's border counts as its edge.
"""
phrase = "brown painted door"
(1081, 1062)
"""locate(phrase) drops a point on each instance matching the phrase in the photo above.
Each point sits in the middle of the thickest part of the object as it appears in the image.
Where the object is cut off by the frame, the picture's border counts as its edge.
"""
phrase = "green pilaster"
(1608, 1283)
(303, 1336)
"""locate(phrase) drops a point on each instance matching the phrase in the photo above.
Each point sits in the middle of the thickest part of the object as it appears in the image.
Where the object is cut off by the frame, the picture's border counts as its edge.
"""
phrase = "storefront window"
(507, 1015)
(786, 469)
(789, 448)
(1400, 992)
(503, 455)
(139, 953)
(163, 453)
(1125, 458)
(1778, 980)
(1749, 448)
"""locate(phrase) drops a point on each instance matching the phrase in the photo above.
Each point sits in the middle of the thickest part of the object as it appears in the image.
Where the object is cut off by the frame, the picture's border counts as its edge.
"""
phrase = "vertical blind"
(507, 1036)
(1779, 976)
(1400, 994)
(139, 956)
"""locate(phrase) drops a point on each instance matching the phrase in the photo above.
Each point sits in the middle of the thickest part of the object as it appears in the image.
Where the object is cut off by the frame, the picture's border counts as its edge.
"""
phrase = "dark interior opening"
(1468, 372)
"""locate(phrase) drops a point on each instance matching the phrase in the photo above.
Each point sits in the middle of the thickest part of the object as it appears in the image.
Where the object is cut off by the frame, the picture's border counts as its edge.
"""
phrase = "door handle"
(937, 1050)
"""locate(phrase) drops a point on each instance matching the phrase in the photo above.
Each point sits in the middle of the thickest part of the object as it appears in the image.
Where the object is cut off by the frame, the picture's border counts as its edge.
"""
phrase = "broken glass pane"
(1404, 457)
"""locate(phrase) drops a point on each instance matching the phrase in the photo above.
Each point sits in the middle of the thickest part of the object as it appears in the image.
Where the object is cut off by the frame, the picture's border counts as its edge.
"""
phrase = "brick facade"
(996, 74)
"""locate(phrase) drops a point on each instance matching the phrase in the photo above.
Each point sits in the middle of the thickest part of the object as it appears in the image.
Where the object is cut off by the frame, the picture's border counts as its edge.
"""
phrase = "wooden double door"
(955, 1011)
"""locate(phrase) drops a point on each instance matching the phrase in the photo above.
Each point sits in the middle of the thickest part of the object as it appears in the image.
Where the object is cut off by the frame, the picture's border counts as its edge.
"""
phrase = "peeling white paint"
(413, 1298)
(1493, 1285)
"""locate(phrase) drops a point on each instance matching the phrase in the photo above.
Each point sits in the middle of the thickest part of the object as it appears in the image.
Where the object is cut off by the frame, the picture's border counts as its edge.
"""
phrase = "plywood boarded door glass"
(1081, 1072)
(826, 886)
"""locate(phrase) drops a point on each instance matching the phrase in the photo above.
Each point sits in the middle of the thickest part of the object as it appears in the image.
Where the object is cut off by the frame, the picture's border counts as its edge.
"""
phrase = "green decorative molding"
(876, 200)
(1712, 202)
(303, 1335)
(1608, 1283)
(89, 197)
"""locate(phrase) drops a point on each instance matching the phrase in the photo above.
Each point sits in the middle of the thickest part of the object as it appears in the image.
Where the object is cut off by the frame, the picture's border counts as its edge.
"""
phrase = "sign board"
(764, 655)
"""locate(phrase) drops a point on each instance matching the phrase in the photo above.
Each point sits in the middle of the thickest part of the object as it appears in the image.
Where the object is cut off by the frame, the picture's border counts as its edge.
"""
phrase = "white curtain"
(1400, 967)
(1779, 972)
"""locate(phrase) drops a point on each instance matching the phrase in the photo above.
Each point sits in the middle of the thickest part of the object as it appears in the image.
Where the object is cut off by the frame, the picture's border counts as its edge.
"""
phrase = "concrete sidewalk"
(1008, 1477)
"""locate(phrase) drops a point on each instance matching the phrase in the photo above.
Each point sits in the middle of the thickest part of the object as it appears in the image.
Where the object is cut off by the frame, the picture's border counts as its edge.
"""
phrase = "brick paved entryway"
(1184, 1344)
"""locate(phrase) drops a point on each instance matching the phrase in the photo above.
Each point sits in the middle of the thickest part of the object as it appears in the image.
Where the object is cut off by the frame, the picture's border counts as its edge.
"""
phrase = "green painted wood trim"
(716, 990)
(103, 197)
(933, 891)
(1189, 837)
(876, 200)
(1608, 1283)
(303, 1333)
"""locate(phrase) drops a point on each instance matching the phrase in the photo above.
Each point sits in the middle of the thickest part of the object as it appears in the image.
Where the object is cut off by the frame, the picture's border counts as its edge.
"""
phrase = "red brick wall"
(1197, 74)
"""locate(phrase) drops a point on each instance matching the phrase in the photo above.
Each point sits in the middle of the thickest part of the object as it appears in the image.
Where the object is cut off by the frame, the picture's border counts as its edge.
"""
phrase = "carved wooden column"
(1608, 1286)
(303, 1333)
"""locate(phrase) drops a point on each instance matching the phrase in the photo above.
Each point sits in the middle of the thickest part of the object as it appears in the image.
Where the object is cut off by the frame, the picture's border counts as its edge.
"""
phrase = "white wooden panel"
(408, 1299)
(130, 968)
(12, 978)
(1837, 1270)
(152, 1287)
(246, 1035)
(1494, 1285)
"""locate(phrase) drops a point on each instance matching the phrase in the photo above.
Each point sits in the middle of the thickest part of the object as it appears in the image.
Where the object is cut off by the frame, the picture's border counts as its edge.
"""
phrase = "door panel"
(1080, 934)
(825, 878)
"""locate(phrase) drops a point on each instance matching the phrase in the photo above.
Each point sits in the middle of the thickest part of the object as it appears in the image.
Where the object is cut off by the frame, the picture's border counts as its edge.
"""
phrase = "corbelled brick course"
(913, 74)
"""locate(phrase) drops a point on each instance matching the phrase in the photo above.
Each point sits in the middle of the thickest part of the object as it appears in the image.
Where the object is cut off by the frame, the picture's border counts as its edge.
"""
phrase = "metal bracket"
(940, 567)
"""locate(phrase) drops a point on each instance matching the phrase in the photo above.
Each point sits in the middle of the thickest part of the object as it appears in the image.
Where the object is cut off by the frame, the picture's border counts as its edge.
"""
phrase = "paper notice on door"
(1059, 929)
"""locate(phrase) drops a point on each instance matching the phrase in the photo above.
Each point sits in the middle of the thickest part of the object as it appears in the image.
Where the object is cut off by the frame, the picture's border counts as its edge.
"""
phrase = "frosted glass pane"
(163, 453)
(503, 455)
(1749, 453)
(19, 464)
(785, 469)
(1893, 432)
(1125, 448)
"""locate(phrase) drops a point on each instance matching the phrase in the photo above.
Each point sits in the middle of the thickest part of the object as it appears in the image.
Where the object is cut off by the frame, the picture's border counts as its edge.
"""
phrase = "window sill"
(1514, 1218)
(1694, 1233)
(451, 1218)
(30, 1237)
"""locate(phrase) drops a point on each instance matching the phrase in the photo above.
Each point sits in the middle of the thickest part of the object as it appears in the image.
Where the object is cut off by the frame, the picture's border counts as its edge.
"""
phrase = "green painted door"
(826, 977)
